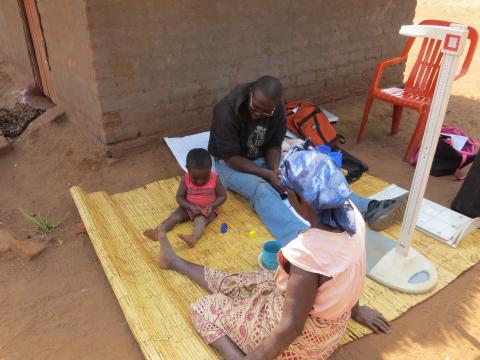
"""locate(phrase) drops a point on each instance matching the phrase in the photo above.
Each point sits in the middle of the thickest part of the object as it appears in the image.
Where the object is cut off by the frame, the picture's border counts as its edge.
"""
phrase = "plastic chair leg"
(366, 111)
(417, 135)
(397, 114)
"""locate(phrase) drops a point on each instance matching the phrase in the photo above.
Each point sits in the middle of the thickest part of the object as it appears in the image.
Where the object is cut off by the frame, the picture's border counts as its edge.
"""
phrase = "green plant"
(42, 224)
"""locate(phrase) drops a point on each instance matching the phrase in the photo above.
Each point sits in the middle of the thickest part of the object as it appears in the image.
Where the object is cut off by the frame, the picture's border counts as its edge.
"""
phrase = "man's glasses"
(256, 110)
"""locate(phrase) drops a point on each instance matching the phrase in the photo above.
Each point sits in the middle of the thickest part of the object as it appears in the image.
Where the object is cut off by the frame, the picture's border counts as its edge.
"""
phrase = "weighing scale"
(396, 264)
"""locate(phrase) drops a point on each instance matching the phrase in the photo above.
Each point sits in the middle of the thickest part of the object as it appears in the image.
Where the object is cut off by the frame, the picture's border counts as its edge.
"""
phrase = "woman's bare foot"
(191, 240)
(152, 234)
(167, 257)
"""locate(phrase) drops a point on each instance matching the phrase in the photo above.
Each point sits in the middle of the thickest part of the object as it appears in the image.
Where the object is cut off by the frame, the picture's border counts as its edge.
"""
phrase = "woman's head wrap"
(315, 177)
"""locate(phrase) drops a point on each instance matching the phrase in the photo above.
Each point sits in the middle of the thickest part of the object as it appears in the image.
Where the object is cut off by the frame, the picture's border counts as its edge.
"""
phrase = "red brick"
(27, 250)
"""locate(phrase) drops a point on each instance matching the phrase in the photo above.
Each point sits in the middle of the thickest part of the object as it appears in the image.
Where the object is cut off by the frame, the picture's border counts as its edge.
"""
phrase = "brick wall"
(67, 39)
(12, 37)
(124, 68)
(161, 65)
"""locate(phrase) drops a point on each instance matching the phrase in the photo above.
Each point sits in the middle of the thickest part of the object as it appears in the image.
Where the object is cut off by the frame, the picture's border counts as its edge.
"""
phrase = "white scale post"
(404, 268)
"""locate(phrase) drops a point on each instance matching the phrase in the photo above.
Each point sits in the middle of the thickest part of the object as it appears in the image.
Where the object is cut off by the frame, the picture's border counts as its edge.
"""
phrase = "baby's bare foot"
(191, 240)
(152, 234)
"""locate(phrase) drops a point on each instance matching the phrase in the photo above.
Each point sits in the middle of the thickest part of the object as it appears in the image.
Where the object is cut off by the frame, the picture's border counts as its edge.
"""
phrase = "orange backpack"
(305, 119)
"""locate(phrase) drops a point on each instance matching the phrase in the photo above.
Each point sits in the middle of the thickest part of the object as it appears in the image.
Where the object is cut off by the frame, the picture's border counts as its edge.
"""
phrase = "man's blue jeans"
(266, 201)
(361, 203)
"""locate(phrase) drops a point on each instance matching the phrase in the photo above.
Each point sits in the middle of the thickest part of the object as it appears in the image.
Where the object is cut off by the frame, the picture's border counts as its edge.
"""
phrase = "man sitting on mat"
(248, 128)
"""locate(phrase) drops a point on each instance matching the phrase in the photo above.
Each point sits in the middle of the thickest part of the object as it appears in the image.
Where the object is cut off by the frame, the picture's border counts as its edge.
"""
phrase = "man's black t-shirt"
(233, 132)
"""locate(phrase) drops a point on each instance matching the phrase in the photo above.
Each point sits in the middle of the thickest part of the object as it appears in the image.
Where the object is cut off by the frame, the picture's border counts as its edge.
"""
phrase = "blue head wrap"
(317, 179)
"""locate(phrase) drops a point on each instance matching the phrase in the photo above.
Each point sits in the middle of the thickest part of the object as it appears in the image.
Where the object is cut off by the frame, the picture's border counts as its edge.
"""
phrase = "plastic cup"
(270, 254)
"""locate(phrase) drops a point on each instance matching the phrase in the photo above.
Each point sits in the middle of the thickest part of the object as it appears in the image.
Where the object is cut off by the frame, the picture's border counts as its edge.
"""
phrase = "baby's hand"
(208, 211)
(197, 210)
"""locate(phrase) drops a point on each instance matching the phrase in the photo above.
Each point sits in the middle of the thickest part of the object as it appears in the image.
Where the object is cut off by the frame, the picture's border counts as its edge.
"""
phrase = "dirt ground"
(60, 305)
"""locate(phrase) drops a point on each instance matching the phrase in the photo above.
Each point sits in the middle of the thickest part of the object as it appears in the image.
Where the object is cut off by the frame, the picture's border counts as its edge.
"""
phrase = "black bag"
(467, 201)
(447, 160)
(355, 167)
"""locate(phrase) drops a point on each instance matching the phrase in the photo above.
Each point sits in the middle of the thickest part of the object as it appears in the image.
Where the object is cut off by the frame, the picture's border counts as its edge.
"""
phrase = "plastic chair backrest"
(424, 74)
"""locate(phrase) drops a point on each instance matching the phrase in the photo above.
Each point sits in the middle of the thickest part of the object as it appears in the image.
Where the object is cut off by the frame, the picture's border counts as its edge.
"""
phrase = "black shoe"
(382, 214)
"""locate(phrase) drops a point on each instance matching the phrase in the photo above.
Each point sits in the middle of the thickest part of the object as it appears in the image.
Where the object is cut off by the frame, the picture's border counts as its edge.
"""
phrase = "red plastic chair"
(418, 91)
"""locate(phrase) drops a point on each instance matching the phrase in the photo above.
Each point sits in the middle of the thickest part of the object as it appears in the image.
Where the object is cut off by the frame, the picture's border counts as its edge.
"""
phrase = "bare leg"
(179, 216)
(199, 225)
(169, 260)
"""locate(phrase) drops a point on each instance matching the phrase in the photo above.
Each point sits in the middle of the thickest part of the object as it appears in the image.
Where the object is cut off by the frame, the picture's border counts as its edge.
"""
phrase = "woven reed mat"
(156, 302)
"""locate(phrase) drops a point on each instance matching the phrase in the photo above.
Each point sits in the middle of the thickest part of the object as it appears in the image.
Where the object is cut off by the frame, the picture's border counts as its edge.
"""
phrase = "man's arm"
(272, 155)
(273, 150)
(243, 164)
(301, 292)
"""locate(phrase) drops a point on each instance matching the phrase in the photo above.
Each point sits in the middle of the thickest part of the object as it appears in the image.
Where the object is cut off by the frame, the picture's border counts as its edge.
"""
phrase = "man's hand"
(371, 319)
(274, 179)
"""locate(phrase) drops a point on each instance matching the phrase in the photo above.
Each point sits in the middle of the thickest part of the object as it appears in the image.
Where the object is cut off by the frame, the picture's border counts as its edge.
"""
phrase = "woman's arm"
(302, 289)
(221, 195)
(371, 318)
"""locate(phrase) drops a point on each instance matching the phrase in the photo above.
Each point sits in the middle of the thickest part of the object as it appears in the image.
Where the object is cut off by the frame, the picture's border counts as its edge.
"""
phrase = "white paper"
(458, 141)
(442, 223)
(180, 146)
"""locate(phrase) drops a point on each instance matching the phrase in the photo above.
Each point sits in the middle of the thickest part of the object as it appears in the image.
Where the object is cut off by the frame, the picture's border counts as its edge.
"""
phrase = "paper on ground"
(442, 223)
(180, 146)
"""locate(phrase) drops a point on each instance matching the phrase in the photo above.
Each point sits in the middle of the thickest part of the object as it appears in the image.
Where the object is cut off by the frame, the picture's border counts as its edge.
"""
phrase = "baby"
(200, 192)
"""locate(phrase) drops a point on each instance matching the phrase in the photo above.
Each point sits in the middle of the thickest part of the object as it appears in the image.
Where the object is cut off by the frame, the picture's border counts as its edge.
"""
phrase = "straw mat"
(156, 302)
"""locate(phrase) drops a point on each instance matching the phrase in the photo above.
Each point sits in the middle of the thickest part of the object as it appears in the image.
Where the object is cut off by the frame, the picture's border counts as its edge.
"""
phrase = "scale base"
(397, 272)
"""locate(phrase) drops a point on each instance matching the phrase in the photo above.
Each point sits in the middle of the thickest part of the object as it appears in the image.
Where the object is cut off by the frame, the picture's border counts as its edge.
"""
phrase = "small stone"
(80, 228)
(27, 250)
(5, 240)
